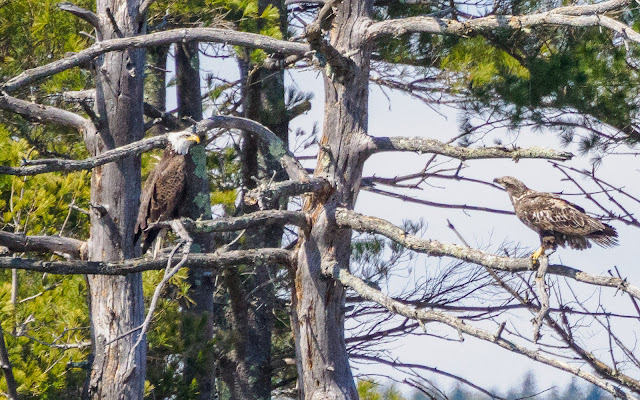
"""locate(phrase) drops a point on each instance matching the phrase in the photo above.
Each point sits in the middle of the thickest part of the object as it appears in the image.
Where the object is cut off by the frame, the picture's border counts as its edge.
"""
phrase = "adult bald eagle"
(557, 221)
(164, 191)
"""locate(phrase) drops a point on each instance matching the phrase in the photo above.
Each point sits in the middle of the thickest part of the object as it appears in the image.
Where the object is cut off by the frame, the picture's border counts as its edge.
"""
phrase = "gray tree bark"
(247, 370)
(155, 87)
(318, 318)
(118, 370)
(197, 328)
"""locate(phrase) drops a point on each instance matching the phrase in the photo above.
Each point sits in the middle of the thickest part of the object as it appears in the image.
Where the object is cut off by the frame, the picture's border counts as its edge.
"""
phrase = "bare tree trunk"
(197, 328)
(118, 370)
(155, 87)
(318, 320)
(5, 365)
(247, 370)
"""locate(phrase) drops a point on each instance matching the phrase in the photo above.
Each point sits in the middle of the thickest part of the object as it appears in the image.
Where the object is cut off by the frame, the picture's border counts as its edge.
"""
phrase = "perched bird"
(557, 221)
(164, 191)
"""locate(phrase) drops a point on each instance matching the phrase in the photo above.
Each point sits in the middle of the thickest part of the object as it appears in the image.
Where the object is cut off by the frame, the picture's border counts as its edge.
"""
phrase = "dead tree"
(342, 33)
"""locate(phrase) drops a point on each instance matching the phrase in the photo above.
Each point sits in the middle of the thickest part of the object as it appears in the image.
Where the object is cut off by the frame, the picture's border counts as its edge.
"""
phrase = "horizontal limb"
(246, 221)
(17, 242)
(432, 146)
(276, 190)
(204, 260)
(351, 219)
(214, 35)
(576, 16)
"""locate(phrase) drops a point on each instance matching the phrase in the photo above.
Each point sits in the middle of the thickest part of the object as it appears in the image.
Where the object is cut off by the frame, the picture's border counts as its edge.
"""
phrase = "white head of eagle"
(182, 141)
(165, 189)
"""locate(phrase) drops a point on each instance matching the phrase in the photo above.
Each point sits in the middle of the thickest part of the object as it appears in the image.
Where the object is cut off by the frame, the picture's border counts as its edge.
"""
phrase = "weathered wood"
(18, 242)
(118, 370)
(247, 369)
(578, 16)
(132, 266)
(216, 35)
(199, 361)
(5, 366)
(318, 318)
(433, 146)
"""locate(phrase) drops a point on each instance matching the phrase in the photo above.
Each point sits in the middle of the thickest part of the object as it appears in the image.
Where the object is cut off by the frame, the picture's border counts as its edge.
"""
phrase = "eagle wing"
(545, 212)
(161, 196)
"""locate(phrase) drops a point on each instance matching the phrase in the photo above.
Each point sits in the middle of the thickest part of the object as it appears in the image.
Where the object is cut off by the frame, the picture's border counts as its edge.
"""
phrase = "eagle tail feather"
(608, 237)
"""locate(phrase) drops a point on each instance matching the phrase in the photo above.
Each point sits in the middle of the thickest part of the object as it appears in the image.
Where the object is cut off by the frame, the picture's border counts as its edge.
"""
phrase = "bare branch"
(79, 96)
(53, 165)
(17, 242)
(205, 260)
(398, 364)
(246, 221)
(5, 365)
(435, 204)
(543, 295)
(276, 190)
(351, 219)
(314, 33)
(216, 35)
(42, 113)
(276, 147)
(424, 145)
(397, 307)
(169, 272)
(582, 16)
(142, 10)
(81, 13)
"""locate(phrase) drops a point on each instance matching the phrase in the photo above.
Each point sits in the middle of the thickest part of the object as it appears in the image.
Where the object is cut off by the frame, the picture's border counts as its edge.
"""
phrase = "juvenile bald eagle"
(164, 191)
(557, 221)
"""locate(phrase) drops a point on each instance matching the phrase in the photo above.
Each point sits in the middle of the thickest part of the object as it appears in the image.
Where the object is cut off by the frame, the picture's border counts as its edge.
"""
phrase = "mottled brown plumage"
(164, 191)
(557, 221)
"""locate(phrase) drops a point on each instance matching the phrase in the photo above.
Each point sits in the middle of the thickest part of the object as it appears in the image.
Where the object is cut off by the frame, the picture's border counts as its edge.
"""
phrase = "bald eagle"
(557, 221)
(164, 191)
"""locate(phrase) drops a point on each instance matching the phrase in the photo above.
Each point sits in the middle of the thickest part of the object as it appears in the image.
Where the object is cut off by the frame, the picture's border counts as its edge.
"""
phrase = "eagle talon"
(536, 255)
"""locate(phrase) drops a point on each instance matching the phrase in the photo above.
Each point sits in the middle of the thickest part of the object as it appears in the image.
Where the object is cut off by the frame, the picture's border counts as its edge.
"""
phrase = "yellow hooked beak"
(193, 138)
